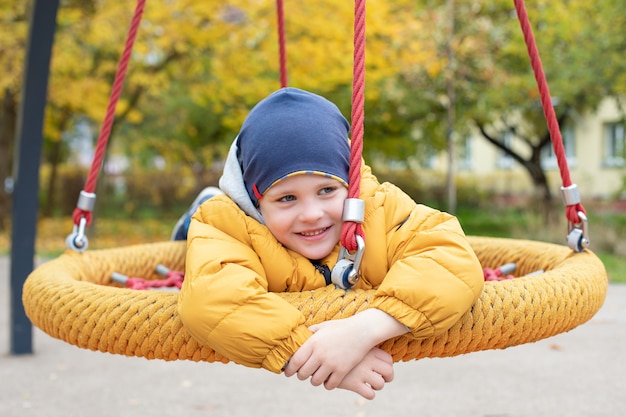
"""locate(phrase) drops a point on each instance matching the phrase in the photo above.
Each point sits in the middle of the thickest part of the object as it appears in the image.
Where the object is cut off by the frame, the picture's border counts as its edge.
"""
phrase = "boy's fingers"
(314, 328)
(298, 359)
(385, 370)
(307, 370)
(333, 381)
(365, 391)
(320, 376)
(383, 355)
(377, 381)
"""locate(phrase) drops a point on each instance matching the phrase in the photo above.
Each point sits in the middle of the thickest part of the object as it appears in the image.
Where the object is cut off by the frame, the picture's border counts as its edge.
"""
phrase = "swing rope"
(351, 229)
(87, 198)
(282, 48)
(82, 215)
(548, 109)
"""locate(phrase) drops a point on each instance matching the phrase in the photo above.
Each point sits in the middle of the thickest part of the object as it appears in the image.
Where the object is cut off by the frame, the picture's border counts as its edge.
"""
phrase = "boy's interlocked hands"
(343, 353)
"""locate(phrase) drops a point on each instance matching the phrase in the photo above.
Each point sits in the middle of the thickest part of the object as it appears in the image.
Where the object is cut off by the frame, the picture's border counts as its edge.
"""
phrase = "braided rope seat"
(72, 298)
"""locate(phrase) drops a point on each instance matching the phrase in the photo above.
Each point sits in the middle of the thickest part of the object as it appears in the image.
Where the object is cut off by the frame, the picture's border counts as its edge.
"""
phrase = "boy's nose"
(311, 211)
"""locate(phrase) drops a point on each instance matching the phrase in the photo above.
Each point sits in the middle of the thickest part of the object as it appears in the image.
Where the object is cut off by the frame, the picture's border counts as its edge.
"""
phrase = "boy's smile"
(304, 213)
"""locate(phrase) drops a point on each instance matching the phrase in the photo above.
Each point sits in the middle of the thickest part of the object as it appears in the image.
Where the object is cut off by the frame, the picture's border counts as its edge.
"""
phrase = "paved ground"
(578, 374)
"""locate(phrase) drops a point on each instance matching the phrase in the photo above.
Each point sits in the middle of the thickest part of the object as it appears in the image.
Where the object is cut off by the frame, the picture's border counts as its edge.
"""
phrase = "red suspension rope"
(103, 138)
(548, 109)
(280, 14)
(351, 229)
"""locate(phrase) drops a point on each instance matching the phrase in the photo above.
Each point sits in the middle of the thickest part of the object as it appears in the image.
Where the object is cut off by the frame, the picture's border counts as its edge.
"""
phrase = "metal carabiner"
(347, 270)
(578, 234)
(77, 240)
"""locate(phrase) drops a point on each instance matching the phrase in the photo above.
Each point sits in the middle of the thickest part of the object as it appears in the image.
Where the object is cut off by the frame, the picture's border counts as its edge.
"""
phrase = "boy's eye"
(327, 190)
(286, 198)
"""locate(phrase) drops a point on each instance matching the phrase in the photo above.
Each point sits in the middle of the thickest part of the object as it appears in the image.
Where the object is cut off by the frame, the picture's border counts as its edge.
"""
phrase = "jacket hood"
(231, 182)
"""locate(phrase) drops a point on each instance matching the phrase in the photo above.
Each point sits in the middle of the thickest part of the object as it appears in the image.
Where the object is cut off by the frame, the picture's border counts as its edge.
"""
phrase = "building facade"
(595, 147)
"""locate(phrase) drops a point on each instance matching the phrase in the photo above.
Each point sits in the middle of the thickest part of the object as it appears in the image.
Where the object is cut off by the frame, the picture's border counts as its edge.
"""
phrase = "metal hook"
(578, 234)
(347, 270)
(77, 240)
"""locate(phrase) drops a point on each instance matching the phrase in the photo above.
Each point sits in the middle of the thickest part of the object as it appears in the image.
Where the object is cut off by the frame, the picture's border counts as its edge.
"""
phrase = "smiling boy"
(277, 228)
(304, 213)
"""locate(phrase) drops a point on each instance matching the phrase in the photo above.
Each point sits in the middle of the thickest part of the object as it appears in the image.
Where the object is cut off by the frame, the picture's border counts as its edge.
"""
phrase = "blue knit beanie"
(292, 132)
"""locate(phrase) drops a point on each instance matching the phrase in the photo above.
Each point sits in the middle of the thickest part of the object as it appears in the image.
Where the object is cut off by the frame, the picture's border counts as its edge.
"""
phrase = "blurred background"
(452, 110)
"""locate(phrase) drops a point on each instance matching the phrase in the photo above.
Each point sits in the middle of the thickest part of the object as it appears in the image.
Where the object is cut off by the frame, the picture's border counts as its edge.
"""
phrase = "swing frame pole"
(29, 140)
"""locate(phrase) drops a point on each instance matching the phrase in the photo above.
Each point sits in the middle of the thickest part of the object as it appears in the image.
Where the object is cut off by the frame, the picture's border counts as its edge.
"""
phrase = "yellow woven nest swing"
(73, 298)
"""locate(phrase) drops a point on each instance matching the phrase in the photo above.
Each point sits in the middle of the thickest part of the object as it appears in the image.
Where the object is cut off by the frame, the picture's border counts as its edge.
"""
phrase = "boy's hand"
(334, 349)
(370, 374)
(340, 353)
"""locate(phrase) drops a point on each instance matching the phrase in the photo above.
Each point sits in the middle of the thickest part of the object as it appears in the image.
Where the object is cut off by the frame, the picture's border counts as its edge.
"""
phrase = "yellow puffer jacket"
(418, 260)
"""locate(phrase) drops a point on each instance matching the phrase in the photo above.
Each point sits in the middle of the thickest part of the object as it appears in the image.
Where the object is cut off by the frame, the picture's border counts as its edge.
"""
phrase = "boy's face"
(304, 213)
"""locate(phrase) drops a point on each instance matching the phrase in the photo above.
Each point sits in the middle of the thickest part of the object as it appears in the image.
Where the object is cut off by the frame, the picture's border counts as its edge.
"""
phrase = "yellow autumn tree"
(13, 28)
(198, 66)
(319, 44)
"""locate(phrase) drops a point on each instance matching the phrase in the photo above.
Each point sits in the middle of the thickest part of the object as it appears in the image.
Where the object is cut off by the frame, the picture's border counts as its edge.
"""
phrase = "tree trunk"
(451, 114)
(540, 181)
(531, 165)
(543, 195)
(55, 160)
(8, 115)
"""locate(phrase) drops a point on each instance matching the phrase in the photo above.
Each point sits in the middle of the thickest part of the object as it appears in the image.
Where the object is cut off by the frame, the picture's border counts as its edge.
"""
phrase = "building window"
(505, 161)
(614, 144)
(548, 158)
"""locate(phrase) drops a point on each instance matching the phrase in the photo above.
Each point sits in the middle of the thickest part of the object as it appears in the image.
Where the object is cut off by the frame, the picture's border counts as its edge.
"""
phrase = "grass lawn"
(615, 266)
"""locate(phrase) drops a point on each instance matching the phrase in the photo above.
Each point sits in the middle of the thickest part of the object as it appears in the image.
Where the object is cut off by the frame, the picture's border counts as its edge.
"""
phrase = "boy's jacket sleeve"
(425, 273)
(226, 302)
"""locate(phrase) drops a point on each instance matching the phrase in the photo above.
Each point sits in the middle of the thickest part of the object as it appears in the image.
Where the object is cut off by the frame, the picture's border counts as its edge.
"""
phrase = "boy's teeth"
(312, 233)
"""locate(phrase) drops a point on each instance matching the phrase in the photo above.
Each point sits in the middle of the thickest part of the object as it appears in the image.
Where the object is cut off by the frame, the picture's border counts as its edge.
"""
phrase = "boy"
(278, 228)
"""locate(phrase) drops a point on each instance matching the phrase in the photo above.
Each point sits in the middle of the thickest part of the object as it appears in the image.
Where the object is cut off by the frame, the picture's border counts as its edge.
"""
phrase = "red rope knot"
(578, 227)
(353, 216)
(504, 272)
(84, 206)
(77, 240)
(172, 279)
(572, 202)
